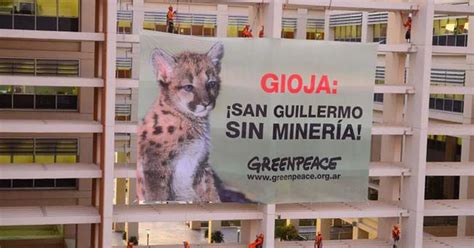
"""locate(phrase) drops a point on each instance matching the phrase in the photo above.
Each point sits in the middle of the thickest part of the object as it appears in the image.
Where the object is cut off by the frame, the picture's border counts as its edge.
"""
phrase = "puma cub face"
(190, 81)
(174, 135)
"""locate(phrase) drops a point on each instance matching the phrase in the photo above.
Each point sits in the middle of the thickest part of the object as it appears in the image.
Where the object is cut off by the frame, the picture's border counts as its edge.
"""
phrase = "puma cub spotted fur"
(174, 138)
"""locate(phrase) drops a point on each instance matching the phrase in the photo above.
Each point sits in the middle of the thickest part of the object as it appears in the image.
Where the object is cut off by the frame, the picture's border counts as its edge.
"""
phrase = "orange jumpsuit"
(246, 32)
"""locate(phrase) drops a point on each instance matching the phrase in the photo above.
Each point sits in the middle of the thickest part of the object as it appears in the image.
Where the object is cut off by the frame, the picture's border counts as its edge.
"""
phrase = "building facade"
(68, 111)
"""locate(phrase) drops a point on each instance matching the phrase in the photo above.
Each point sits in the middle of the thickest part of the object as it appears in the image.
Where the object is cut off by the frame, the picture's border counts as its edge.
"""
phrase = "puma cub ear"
(163, 64)
(216, 53)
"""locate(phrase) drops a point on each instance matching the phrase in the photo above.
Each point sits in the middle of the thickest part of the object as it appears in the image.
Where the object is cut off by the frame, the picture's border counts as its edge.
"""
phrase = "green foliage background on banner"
(244, 64)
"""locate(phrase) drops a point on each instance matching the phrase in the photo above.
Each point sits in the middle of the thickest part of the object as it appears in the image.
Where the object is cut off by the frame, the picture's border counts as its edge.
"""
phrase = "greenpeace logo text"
(298, 163)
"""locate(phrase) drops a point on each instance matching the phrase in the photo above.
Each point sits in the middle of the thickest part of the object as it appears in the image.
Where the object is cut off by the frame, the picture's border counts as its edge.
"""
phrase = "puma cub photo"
(174, 135)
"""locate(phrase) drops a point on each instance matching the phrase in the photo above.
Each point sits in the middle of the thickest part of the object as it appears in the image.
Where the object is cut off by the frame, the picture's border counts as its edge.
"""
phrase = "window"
(68, 15)
(348, 33)
(450, 31)
(288, 30)
(124, 21)
(39, 67)
(124, 68)
(447, 102)
(185, 23)
(380, 33)
(379, 79)
(315, 29)
(53, 15)
(6, 14)
(123, 112)
(41, 232)
(38, 151)
(39, 98)
(236, 25)
(122, 148)
(47, 18)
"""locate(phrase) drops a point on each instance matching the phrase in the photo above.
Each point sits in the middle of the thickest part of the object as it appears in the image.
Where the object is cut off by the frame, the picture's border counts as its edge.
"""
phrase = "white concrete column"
(268, 225)
(301, 23)
(249, 229)
(138, 16)
(466, 184)
(393, 106)
(222, 20)
(328, 34)
(413, 190)
(107, 118)
(273, 16)
(364, 27)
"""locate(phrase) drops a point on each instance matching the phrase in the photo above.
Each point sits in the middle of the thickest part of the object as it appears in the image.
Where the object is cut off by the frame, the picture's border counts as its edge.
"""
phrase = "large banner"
(253, 120)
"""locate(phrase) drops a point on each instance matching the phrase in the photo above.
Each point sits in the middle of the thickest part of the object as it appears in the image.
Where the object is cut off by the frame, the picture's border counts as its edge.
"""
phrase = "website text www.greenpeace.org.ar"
(295, 177)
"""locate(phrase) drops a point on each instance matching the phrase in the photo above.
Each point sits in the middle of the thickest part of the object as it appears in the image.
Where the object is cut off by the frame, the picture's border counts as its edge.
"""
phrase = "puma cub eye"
(211, 84)
(188, 88)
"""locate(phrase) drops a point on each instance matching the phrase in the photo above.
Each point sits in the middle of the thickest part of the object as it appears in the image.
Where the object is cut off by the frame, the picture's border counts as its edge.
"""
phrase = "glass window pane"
(6, 11)
(232, 31)
(22, 183)
(45, 90)
(66, 159)
(20, 159)
(45, 102)
(377, 31)
(23, 89)
(5, 159)
(5, 183)
(6, 101)
(70, 24)
(458, 106)
(121, 157)
(67, 102)
(66, 183)
(66, 90)
(383, 30)
(436, 27)
(6, 89)
(69, 8)
(45, 159)
(25, 7)
(442, 24)
(46, 8)
(6, 7)
(23, 101)
(44, 183)
(337, 33)
(26, 22)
